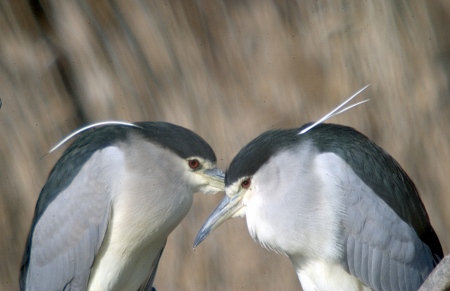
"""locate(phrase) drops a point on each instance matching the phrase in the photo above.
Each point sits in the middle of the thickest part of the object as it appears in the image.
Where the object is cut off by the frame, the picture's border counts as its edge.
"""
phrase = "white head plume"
(337, 110)
(98, 124)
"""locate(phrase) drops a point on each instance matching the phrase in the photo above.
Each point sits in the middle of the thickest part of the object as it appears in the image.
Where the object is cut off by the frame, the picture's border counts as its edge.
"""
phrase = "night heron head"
(103, 216)
(340, 207)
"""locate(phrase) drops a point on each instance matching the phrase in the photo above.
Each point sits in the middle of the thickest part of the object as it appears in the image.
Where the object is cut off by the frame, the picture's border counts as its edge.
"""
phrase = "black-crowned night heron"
(340, 207)
(103, 217)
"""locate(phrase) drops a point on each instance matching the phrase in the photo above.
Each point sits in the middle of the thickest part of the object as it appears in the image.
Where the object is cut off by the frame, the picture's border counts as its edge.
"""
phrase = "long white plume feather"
(337, 110)
(98, 124)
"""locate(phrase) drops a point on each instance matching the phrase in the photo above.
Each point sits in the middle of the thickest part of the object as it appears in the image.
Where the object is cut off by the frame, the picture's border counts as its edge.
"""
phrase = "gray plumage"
(342, 209)
(103, 216)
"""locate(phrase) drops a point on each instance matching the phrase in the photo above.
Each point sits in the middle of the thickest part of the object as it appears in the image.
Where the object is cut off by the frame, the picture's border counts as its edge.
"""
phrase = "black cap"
(184, 142)
(255, 154)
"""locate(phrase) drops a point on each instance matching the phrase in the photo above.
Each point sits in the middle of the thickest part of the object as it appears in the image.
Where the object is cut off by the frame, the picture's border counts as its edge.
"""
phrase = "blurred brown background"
(228, 70)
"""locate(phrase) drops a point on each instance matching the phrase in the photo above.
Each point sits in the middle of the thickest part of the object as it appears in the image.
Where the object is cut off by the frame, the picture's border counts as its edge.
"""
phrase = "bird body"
(341, 208)
(109, 204)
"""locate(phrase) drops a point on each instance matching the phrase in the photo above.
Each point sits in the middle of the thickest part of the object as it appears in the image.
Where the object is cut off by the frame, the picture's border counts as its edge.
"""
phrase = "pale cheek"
(260, 225)
(253, 203)
(253, 216)
(247, 196)
(199, 184)
(250, 223)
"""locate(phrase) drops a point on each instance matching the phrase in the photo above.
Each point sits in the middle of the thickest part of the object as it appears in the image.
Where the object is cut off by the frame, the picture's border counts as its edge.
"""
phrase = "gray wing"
(381, 249)
(67, 235)
(148, 286)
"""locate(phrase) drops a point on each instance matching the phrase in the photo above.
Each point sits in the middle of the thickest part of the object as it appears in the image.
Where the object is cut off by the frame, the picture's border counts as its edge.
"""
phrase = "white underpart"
(302, 225)
(283, 206)
(148, 206)
(321, 275)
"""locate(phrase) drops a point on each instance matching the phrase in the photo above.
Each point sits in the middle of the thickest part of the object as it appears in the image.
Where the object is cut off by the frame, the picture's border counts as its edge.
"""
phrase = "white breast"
(145, 209)
(323, 276)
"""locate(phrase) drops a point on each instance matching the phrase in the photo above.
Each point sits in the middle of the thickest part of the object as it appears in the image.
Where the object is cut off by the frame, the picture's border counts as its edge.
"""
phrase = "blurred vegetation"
(228, 70)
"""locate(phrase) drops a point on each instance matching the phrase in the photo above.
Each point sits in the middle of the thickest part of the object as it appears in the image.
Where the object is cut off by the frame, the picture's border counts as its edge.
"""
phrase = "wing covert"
(380, 248)
(68, 233)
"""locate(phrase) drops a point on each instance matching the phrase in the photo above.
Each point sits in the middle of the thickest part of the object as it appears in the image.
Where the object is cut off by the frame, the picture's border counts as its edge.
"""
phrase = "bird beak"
(227, 208)
(215, 178)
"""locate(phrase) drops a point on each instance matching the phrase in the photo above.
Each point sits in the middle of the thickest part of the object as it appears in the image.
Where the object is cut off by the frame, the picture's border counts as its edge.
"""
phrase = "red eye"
(194, 164)
(246, 183)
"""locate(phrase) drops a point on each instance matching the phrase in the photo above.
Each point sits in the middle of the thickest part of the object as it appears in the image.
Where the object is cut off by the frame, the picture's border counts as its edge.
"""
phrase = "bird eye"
(246, 183)
(193, 164)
